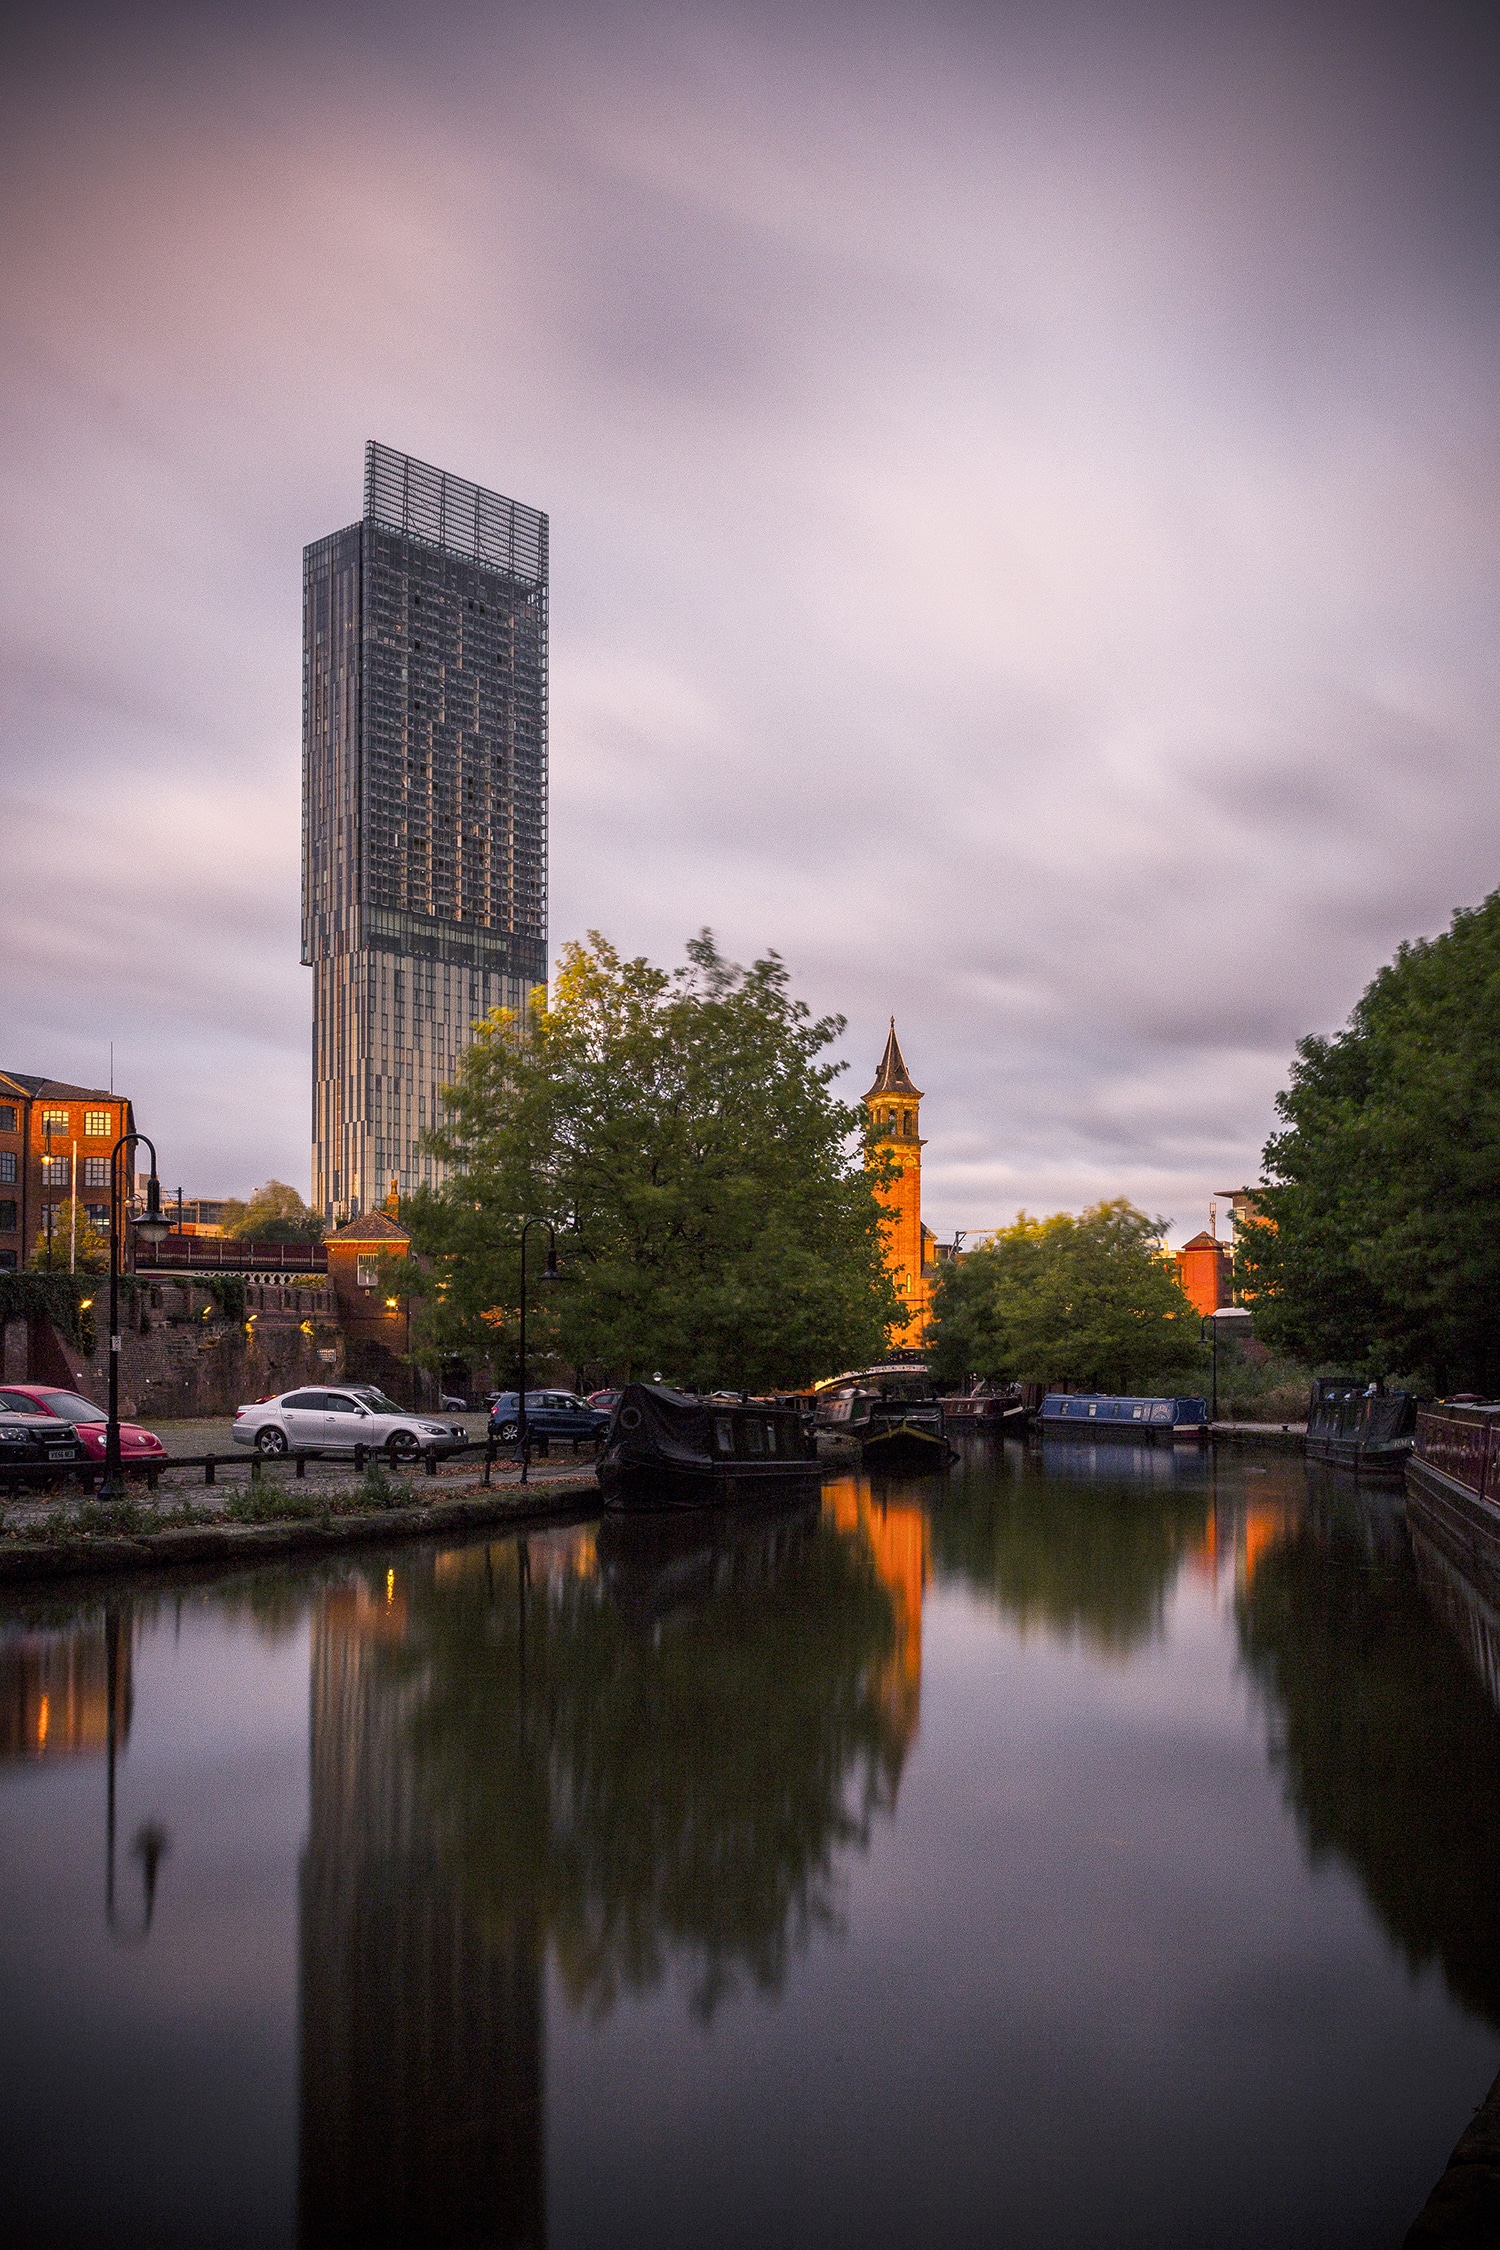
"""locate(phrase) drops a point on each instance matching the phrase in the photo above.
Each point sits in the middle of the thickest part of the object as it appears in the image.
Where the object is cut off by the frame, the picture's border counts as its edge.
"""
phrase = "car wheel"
(508, 1432)
(270, 1440)
(402, 1446)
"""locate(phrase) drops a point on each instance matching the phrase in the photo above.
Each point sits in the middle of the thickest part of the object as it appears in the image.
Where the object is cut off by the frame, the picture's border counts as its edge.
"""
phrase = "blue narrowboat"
(1092, 1413)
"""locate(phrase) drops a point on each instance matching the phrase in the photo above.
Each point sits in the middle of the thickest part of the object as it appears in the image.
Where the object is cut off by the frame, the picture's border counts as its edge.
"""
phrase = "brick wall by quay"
(180, 1356)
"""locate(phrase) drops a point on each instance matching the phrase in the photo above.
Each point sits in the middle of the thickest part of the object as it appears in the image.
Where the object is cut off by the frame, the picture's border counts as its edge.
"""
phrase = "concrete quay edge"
(29, 1562)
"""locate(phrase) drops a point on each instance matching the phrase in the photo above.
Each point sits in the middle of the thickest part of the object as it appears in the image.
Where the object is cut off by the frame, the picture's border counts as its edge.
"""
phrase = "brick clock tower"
(893, 1103)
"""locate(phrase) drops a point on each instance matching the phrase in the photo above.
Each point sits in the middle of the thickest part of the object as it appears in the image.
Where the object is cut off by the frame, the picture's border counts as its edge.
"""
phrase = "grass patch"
(269, 1503)
(379, 1487)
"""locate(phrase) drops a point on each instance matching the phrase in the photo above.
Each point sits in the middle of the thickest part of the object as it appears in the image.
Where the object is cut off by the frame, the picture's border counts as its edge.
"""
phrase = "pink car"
(136, 1444)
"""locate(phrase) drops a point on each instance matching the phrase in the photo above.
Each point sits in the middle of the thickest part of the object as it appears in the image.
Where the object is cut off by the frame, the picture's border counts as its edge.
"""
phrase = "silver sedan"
(310, 1421)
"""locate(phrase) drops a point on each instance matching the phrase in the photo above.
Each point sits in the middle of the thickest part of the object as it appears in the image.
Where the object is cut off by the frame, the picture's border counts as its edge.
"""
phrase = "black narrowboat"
(668, 1449)
(996, 1409)
(890, 1415)
(1357, 1427)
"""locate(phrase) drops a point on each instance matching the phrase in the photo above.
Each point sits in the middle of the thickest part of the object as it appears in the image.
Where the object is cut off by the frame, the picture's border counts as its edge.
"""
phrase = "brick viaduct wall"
(181, 1356)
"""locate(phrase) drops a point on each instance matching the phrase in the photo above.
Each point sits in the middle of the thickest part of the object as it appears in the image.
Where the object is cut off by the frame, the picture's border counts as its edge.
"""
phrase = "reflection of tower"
(54, 1690)
(894, 1105)
(896, 1535)
(421, 2031)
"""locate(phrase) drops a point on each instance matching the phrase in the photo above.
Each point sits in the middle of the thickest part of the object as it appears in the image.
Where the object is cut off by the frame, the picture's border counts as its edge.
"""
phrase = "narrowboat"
(1096, 1414)
(890, 1415)
(1453, 1486)
(997, 1409)
(668, 1449)
(1357, 1427)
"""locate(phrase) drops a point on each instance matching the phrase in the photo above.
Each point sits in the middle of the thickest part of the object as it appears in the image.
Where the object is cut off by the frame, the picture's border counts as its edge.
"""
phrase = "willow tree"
(714, 1206)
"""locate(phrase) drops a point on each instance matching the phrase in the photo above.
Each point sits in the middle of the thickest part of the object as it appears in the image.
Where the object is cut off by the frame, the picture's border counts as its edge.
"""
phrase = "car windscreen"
(71, 1407)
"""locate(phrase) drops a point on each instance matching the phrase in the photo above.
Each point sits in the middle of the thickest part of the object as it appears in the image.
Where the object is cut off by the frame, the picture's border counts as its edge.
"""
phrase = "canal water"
(1093, 1848)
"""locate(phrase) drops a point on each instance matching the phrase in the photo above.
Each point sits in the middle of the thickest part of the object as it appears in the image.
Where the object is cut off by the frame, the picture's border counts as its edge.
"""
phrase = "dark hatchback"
(39, 1441)
(549, 1414)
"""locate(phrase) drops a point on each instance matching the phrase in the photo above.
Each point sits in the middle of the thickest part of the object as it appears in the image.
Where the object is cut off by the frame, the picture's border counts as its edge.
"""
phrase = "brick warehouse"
(52, 1136)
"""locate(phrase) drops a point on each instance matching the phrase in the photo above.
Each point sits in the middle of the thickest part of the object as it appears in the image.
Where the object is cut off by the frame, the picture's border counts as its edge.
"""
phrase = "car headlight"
(433, 1429)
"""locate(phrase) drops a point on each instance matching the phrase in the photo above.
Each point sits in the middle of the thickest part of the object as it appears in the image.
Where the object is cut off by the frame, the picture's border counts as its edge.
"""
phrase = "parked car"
(604, 1402)
(549, 1414)
(88, 1420)
(318, 1421)
(29, 1440)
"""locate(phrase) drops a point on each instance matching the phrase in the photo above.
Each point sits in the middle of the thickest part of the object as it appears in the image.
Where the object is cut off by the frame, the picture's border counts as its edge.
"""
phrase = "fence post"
(489, 1460)
(302, 1464)
(432, 1461)
(255, 1467)
(209, 1464)
(359, 1460)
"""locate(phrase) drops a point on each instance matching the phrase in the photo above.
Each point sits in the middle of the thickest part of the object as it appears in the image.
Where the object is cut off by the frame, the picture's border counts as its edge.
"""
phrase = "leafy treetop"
(716, 1217)
(1087, 1300)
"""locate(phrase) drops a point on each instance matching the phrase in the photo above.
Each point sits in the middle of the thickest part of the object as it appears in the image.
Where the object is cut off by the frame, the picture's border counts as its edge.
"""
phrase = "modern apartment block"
(424, 807)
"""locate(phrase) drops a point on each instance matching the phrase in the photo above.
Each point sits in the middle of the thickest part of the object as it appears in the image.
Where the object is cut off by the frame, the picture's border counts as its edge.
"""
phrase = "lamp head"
(151, 1226)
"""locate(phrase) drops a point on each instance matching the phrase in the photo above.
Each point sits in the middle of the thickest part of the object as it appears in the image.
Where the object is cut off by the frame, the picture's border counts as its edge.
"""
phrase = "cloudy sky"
(1023, 486)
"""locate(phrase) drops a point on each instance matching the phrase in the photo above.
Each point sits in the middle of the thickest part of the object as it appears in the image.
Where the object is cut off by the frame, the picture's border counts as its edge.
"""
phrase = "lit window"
(96, 1124)
(56, 1118)
(366, 1274)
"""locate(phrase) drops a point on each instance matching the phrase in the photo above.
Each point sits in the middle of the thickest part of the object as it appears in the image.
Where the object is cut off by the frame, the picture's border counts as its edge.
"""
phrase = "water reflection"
(644, 1753)
(1387, 1742)
(67, 1690)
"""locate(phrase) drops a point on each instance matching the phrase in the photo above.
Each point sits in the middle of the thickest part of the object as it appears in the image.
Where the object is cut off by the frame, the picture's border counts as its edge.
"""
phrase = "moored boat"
(891, 1416)
(668, 1449)
(1144, 1420)
(997, 1409)
(1357, 1427)
(1453, 1485)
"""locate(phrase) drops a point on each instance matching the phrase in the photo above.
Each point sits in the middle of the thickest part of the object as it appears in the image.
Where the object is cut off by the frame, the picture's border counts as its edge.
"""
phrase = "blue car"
(549, 1414)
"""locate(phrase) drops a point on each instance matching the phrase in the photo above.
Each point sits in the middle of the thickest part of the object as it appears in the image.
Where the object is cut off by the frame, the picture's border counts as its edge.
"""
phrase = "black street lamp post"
(151, 1227)
(523, 1427)
(1212, 1320)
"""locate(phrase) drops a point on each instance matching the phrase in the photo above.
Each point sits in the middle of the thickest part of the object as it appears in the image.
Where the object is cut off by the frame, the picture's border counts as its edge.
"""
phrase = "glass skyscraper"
(424, 806)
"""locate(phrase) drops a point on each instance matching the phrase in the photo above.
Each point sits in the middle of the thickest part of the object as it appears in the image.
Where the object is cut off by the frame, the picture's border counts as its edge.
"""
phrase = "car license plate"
(59, 1453)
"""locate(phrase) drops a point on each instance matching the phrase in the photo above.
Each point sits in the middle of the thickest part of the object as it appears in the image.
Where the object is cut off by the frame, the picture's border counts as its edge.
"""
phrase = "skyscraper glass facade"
(424, 806)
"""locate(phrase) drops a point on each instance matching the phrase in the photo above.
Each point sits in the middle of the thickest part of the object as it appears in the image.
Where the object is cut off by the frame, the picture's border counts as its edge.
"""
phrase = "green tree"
(1087, 1300)
(716, 1214)
(87, 1253)
(274, 1213)
(1382, 1250)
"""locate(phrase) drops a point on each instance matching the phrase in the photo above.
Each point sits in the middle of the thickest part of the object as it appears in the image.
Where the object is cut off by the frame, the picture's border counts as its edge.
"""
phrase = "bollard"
(431, 1462)
(489, 1460)
(209, 1464)
(302, 1464)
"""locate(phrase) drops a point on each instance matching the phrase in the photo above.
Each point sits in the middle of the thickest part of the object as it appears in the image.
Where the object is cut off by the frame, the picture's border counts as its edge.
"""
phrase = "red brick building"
(1203, 1269)
(55, 1142)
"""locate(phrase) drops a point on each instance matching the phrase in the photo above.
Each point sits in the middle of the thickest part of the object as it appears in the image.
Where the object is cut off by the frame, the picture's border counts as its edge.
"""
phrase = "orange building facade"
(894, 1106)
(1203, 1273)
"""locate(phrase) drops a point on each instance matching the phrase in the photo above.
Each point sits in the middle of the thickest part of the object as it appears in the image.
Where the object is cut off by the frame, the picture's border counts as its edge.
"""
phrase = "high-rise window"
(424, 764)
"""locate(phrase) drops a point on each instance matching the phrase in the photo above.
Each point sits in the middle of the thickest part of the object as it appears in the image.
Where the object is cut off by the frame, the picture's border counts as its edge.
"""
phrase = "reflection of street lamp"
(1212, 1320)
(152, 1843)
(151, 1227)
(523, 1428)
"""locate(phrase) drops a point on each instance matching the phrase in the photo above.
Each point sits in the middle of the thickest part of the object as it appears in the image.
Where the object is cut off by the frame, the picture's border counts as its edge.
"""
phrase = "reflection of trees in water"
(1083, 1561)
(663, 1756)
(1388, 1745)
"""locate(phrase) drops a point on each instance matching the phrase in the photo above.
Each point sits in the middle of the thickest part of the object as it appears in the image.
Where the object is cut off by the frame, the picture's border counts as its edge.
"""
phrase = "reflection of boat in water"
(1143, 1421)
(1453, 1487)
(1075, 1456)
(1356, 1427)
(665, 1449)
(660, 1560)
